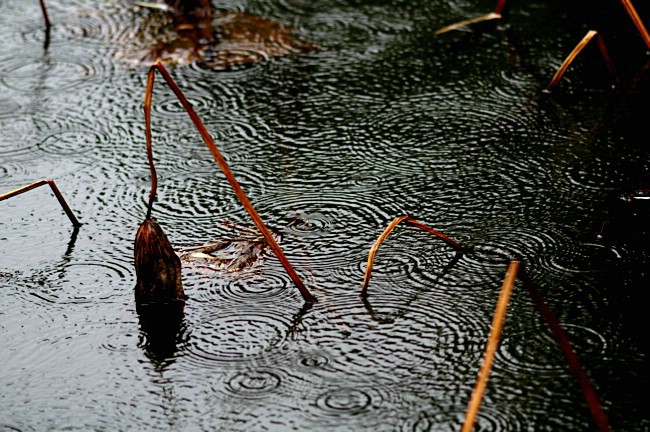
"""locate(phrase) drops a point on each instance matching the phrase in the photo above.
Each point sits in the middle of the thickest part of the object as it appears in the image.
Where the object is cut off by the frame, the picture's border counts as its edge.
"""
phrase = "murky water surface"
(384, 119)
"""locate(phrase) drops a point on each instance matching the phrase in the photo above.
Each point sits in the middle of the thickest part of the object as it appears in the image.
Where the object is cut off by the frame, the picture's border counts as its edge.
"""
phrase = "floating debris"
(216, 41)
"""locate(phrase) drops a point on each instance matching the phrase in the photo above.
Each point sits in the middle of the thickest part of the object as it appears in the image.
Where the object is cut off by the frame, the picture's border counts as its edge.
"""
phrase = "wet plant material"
(55, 190)
(165, 252)
(591, 35)
(514, 269)
(375, 247)
(157, 267)
(242, 254)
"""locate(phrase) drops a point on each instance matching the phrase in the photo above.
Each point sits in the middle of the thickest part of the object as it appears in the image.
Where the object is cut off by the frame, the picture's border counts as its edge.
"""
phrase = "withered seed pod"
(157, 266)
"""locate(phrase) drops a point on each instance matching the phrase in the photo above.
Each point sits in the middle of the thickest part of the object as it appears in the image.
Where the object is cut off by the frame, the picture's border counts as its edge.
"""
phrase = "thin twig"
(207, 139)
(491, 346)
(627, 4)
(46, 17)
(56, 191)
(387, 231)
(578, 48)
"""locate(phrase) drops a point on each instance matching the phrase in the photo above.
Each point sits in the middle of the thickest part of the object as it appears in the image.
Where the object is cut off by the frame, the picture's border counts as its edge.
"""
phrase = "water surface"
(384, 119)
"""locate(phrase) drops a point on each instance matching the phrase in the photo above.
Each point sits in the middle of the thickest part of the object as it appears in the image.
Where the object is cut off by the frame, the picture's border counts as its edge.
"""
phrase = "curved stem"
(207, 139)
(387, 231)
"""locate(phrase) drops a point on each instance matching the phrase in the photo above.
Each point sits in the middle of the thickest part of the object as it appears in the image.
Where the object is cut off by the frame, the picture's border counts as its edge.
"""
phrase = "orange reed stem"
(491, 346)
(627, 4)
(387, 231)
(578, 48)
(207, 139)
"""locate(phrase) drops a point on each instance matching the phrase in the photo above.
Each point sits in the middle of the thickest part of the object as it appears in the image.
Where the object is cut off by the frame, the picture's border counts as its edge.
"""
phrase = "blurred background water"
(384, 119)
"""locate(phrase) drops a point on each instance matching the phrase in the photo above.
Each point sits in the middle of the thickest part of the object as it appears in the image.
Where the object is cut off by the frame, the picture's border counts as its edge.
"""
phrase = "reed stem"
(591, 34)
(387, 231)
(207, 139)
(631, 11)
(491, 345)
(570, 355)
(46, 17)
(56, 192)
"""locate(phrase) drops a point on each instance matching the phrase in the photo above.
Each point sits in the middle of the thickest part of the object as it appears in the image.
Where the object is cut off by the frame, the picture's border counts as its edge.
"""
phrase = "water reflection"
(163, 328)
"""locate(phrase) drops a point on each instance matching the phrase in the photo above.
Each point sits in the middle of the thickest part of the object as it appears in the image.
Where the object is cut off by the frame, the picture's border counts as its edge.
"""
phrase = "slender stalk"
(387, 231)
(207, 139)
(56, 192)
(148, 95)
(577, 50)
(46, 17)
(563, 342)
(465, 23)
(627, 4)
(491, 346)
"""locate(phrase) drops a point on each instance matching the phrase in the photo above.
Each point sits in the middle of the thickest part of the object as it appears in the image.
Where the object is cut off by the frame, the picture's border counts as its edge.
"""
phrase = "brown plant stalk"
(207, 139)
(56, 192)
(570, 355)
(627, 4)
(591, 34)
(387, 231)
(491, 345)
(46, 17)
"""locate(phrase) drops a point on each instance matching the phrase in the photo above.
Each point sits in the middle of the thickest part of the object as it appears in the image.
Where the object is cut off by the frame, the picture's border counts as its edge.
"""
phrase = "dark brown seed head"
(157, 266)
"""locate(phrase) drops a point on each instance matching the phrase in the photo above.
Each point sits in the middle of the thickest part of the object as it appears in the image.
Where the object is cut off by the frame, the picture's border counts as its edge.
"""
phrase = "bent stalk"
(491, 345)
(591, 34)
(207, 139)
(56, 192)
(387, 231)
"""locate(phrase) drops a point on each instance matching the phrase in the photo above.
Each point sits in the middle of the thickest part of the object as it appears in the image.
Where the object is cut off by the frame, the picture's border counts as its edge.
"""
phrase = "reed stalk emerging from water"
(56, 192)
(591, 34)
(375, 247)
(491, 346)
(207, 139)
(46, 17)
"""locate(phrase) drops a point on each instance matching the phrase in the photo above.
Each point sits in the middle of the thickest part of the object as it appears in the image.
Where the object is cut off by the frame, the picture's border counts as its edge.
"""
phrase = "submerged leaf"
(220, 41)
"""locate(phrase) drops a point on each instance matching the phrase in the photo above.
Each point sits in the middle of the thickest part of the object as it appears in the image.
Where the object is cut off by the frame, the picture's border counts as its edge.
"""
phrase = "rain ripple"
(233, 336)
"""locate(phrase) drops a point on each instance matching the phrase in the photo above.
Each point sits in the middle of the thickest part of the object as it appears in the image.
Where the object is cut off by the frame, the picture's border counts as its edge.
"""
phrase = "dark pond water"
(385, 119)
